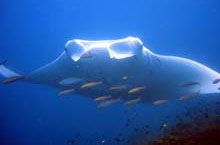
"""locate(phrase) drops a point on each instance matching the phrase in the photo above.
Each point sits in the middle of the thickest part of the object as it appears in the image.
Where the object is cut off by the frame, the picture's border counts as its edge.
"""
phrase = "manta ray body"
(123, 64)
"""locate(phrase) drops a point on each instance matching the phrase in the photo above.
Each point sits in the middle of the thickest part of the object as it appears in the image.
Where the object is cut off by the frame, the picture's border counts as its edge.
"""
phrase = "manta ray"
(122, 69)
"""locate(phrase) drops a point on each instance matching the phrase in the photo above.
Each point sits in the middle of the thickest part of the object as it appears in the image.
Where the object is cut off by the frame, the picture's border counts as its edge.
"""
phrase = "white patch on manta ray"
(117, 49)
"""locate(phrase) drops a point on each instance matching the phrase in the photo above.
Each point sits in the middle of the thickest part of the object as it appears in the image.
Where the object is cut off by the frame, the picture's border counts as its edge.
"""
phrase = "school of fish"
(108, 99)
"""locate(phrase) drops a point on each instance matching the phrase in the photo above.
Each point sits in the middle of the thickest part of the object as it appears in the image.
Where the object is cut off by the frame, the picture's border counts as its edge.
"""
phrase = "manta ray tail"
(9, 75)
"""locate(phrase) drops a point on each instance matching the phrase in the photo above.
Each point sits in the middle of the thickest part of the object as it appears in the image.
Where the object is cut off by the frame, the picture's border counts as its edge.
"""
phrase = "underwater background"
(34, 32)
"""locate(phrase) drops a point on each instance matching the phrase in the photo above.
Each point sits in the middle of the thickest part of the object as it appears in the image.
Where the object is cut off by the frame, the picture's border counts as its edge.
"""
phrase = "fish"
(118, 87)
(117, 139)
(189, 96)
(137, 89)
(216, 81)
(65, 92)
(164, 125)
(87, 55)
(124, 77)
(133, 101)
(189, 84)
(107, 103)
(158, 102)
(103, 142)
(91, 84)
(13, 79)
(70, 81)
(103, 98)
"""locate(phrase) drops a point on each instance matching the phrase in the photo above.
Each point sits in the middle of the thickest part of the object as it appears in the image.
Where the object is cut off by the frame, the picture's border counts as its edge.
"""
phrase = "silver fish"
(65, 92)
(107, 103)
(124, 77)
(13, 79)
(91, 84)
(103, 98)
(158, 102)
(133, 101)
(118, 87)
(137, 89)
(189, 96)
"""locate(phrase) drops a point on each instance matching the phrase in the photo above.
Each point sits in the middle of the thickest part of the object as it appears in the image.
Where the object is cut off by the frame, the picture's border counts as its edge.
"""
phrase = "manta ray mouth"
(118, 49)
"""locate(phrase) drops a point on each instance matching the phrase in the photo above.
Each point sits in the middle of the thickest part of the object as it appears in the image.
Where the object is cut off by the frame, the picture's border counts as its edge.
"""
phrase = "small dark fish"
(117, 139)
(146, 132)
(78, 135)
(146, 126)
(216, 81)
(136, 129)
(189, 84)
(13, 79)
(68, 141)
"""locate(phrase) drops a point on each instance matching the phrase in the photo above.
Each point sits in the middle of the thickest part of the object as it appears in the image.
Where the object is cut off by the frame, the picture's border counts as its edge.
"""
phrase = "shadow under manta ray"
(122, 69)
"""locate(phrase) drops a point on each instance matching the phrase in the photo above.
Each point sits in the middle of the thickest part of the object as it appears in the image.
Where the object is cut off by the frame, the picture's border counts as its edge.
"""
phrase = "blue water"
(33, 33)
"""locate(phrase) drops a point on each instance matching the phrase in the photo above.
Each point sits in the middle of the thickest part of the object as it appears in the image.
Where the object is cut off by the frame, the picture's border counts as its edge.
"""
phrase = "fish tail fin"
(9, 75)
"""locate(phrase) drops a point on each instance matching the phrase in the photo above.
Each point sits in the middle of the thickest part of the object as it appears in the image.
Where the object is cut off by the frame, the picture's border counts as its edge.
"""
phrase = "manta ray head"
(109, 61)
(117, 49)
